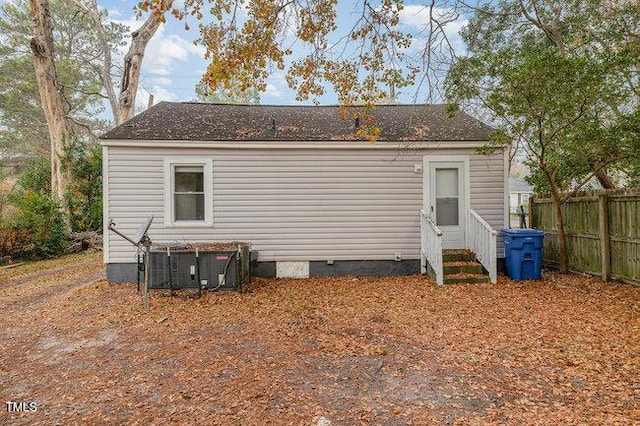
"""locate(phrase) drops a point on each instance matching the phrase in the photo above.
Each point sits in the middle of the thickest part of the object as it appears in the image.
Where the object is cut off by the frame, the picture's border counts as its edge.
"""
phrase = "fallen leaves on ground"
(395, 350)
(46, 266)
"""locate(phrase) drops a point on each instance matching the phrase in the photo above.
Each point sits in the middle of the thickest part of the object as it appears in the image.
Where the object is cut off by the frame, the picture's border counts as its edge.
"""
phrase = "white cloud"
(418, 17)
(159, 94)
(142, 100)
(165, 55)
(273, 91)
(162, 81)
(114, 13)
(278, 76)
(163, 51)
(162, 94)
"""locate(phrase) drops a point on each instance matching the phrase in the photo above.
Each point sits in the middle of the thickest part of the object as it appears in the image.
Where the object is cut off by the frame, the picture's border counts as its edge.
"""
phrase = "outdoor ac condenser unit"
(187, 268)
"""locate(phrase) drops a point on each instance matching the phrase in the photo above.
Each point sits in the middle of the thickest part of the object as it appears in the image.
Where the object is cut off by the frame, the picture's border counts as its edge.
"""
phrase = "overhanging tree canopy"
(541, 71)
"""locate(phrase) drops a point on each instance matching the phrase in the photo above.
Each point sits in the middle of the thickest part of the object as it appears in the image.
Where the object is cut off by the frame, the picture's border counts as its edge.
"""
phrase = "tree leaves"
(558, 75)
(25, 131)
(362, 67)
(538, 70)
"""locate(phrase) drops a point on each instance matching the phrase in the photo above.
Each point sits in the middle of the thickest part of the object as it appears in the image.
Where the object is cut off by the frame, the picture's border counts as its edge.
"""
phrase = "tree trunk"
(53, 104)
(562, 236)
(132, 64)
(105, 69)
(605, 180)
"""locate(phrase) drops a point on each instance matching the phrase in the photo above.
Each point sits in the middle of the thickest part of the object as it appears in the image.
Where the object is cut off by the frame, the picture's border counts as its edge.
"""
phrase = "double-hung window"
(188, 192)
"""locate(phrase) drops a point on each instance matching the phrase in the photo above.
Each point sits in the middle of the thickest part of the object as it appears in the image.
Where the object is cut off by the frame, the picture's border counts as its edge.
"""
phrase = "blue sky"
(173, 65)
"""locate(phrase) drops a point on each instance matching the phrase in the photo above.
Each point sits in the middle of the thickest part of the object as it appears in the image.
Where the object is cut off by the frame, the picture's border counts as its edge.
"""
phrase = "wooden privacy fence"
(603, 233)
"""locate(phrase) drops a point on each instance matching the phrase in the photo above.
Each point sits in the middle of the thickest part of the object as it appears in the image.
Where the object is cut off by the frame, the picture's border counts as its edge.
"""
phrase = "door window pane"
(447, 197)
(447, 211)
(446, 183)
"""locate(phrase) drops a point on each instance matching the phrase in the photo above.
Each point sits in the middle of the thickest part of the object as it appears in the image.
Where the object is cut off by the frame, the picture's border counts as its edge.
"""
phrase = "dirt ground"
(387, 351)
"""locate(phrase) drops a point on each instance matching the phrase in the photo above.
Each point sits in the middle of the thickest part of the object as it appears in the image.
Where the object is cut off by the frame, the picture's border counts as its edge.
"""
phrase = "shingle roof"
(519, 185)
(216, 122)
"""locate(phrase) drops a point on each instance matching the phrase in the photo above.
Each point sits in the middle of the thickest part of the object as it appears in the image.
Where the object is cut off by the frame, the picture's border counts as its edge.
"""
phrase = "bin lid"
(526, 232)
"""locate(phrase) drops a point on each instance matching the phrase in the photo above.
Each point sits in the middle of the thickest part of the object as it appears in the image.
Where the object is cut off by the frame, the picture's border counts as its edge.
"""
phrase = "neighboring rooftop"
(217, 122)
(519, 185)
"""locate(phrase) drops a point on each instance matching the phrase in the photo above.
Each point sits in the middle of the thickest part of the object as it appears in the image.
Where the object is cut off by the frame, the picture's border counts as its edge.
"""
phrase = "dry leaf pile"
(390, 351)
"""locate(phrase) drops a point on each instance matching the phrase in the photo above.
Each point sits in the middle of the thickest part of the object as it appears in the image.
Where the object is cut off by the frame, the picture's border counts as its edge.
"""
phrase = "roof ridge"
(213, 121)
(296, 105)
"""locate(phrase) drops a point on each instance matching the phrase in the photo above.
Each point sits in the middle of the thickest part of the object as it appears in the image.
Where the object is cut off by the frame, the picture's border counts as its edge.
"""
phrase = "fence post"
(605, 255)
(531, 210)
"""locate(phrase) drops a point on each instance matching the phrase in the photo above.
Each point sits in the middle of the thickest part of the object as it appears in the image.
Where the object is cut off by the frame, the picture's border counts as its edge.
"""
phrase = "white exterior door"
(447, 200)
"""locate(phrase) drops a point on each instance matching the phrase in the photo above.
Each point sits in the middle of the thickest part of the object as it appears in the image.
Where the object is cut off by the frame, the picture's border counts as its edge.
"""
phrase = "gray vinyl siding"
(294, 204)
(488, 192)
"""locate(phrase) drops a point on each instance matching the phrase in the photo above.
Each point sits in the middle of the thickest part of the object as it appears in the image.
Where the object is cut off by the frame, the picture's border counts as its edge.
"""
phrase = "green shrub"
(15, 243)
(42, 217)
(37, 228)
(37, 176)
(84, 195)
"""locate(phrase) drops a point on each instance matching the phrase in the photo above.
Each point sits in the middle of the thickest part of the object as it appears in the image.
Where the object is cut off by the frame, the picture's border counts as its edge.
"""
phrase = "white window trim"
(169, 165)
(427, 159)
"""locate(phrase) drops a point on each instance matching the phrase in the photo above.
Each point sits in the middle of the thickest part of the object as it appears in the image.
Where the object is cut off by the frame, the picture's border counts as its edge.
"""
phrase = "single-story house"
(519, 193)
(308, 195)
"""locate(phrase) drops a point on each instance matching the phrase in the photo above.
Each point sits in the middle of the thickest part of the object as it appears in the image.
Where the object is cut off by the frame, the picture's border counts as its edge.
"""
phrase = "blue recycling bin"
(523, 253)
